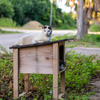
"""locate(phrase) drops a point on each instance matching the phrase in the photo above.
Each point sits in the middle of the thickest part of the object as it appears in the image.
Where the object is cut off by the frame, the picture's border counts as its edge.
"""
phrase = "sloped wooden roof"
(38, 44)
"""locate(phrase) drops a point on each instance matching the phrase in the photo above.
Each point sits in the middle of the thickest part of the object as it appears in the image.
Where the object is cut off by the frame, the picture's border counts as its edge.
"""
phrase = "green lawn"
(7, 32)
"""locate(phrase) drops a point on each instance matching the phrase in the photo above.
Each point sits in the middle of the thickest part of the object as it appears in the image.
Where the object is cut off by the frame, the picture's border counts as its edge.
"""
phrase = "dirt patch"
(95, 83)
(33, 25)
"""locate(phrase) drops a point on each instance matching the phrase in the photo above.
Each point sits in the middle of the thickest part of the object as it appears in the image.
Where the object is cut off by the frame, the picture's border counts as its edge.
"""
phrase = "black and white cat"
(44, 36)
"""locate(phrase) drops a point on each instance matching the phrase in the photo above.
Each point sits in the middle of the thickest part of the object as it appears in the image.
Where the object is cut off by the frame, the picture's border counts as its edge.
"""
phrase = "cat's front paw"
(33, 41)
(14, 45)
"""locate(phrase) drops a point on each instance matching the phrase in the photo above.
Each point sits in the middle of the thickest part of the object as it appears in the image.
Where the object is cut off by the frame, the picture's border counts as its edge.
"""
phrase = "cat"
(62, 65)
(44, 36)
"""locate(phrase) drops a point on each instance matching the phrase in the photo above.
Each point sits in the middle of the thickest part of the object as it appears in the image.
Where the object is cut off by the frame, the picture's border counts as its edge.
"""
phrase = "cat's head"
(47, 30)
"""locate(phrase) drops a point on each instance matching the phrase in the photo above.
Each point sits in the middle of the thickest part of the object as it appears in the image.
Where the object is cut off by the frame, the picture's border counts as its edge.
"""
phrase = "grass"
(79, 70)
(94, 28)
(89, 40)
(7, 22)
(8, 32)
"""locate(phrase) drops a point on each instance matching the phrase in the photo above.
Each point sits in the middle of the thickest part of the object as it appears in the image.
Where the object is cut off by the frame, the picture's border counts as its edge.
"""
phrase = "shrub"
(79, 71)
(94, 28)
(6, 8)
(7, 22)
(94, 39)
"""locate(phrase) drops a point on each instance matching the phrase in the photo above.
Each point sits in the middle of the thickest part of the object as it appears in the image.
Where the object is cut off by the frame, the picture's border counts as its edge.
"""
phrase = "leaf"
(10, 85)
(33, 88)
(28, 94)
(2, 95)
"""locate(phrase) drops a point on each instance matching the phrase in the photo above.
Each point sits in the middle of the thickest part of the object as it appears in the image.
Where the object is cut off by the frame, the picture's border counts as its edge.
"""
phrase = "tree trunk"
(80, 23)
(97, 5)
(87, 17)
(86, 23)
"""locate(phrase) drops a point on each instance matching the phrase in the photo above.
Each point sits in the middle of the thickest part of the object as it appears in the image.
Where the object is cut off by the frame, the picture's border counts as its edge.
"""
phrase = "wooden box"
(42, 58)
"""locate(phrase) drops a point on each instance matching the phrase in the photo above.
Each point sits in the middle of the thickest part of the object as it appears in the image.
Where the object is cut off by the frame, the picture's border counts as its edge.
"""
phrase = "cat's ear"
(51, 26)
(42, 27)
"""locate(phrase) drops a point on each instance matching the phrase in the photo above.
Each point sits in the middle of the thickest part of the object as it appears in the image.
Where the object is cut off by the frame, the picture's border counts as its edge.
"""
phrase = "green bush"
(6, 8)
(94, 39)
(79, 71)
(7, 22)
(23, 11)
(65, 22)
(94, 28)
(89, 40)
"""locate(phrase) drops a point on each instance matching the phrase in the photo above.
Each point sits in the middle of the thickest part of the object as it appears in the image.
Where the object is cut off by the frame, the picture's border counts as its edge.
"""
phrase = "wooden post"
(15, 74)
(63, 82)
(26, 82)
(55, 71)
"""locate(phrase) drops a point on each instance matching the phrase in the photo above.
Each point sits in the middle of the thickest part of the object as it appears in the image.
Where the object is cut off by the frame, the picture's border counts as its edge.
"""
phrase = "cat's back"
(26, 39)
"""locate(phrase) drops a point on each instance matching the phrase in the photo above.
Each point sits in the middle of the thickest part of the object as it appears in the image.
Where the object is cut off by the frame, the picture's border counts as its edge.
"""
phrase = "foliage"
(7, 32)
(6, 9)
(66, 22)
(18, 6)
(89, 40)
(94, 28)
(79, 71)
(93, 39)
(7, 22)
(66, 36)
(27, 10)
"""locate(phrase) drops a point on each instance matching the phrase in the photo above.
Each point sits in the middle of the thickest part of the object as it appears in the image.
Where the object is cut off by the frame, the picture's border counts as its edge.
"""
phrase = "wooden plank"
(15, 74)
(38, 60)
(39, 44)
(61, 43)
(55, 93)
(55, 71)
(62, 83)
(62, 57)
(48, 49)
(26, 82)
(62, 51)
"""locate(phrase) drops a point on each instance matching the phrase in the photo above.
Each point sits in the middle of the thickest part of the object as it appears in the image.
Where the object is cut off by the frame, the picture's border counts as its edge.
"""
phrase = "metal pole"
(51, 13)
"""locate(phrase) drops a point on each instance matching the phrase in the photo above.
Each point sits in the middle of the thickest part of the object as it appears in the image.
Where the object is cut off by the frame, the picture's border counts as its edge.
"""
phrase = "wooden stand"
(41, 59)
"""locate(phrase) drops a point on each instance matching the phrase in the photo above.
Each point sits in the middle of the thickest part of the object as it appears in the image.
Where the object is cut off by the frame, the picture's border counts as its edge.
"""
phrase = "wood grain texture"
(26, 82)
(62, 83)
(15, 74)
(38, 60)
(55, 93)
(62, 57)
(55, 71)
(62, 51)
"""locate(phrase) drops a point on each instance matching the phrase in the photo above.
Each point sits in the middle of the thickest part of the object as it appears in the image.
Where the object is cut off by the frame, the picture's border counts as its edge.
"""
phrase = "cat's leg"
(18, 42)
(40, 41)
(33, 41)
(16, 45)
